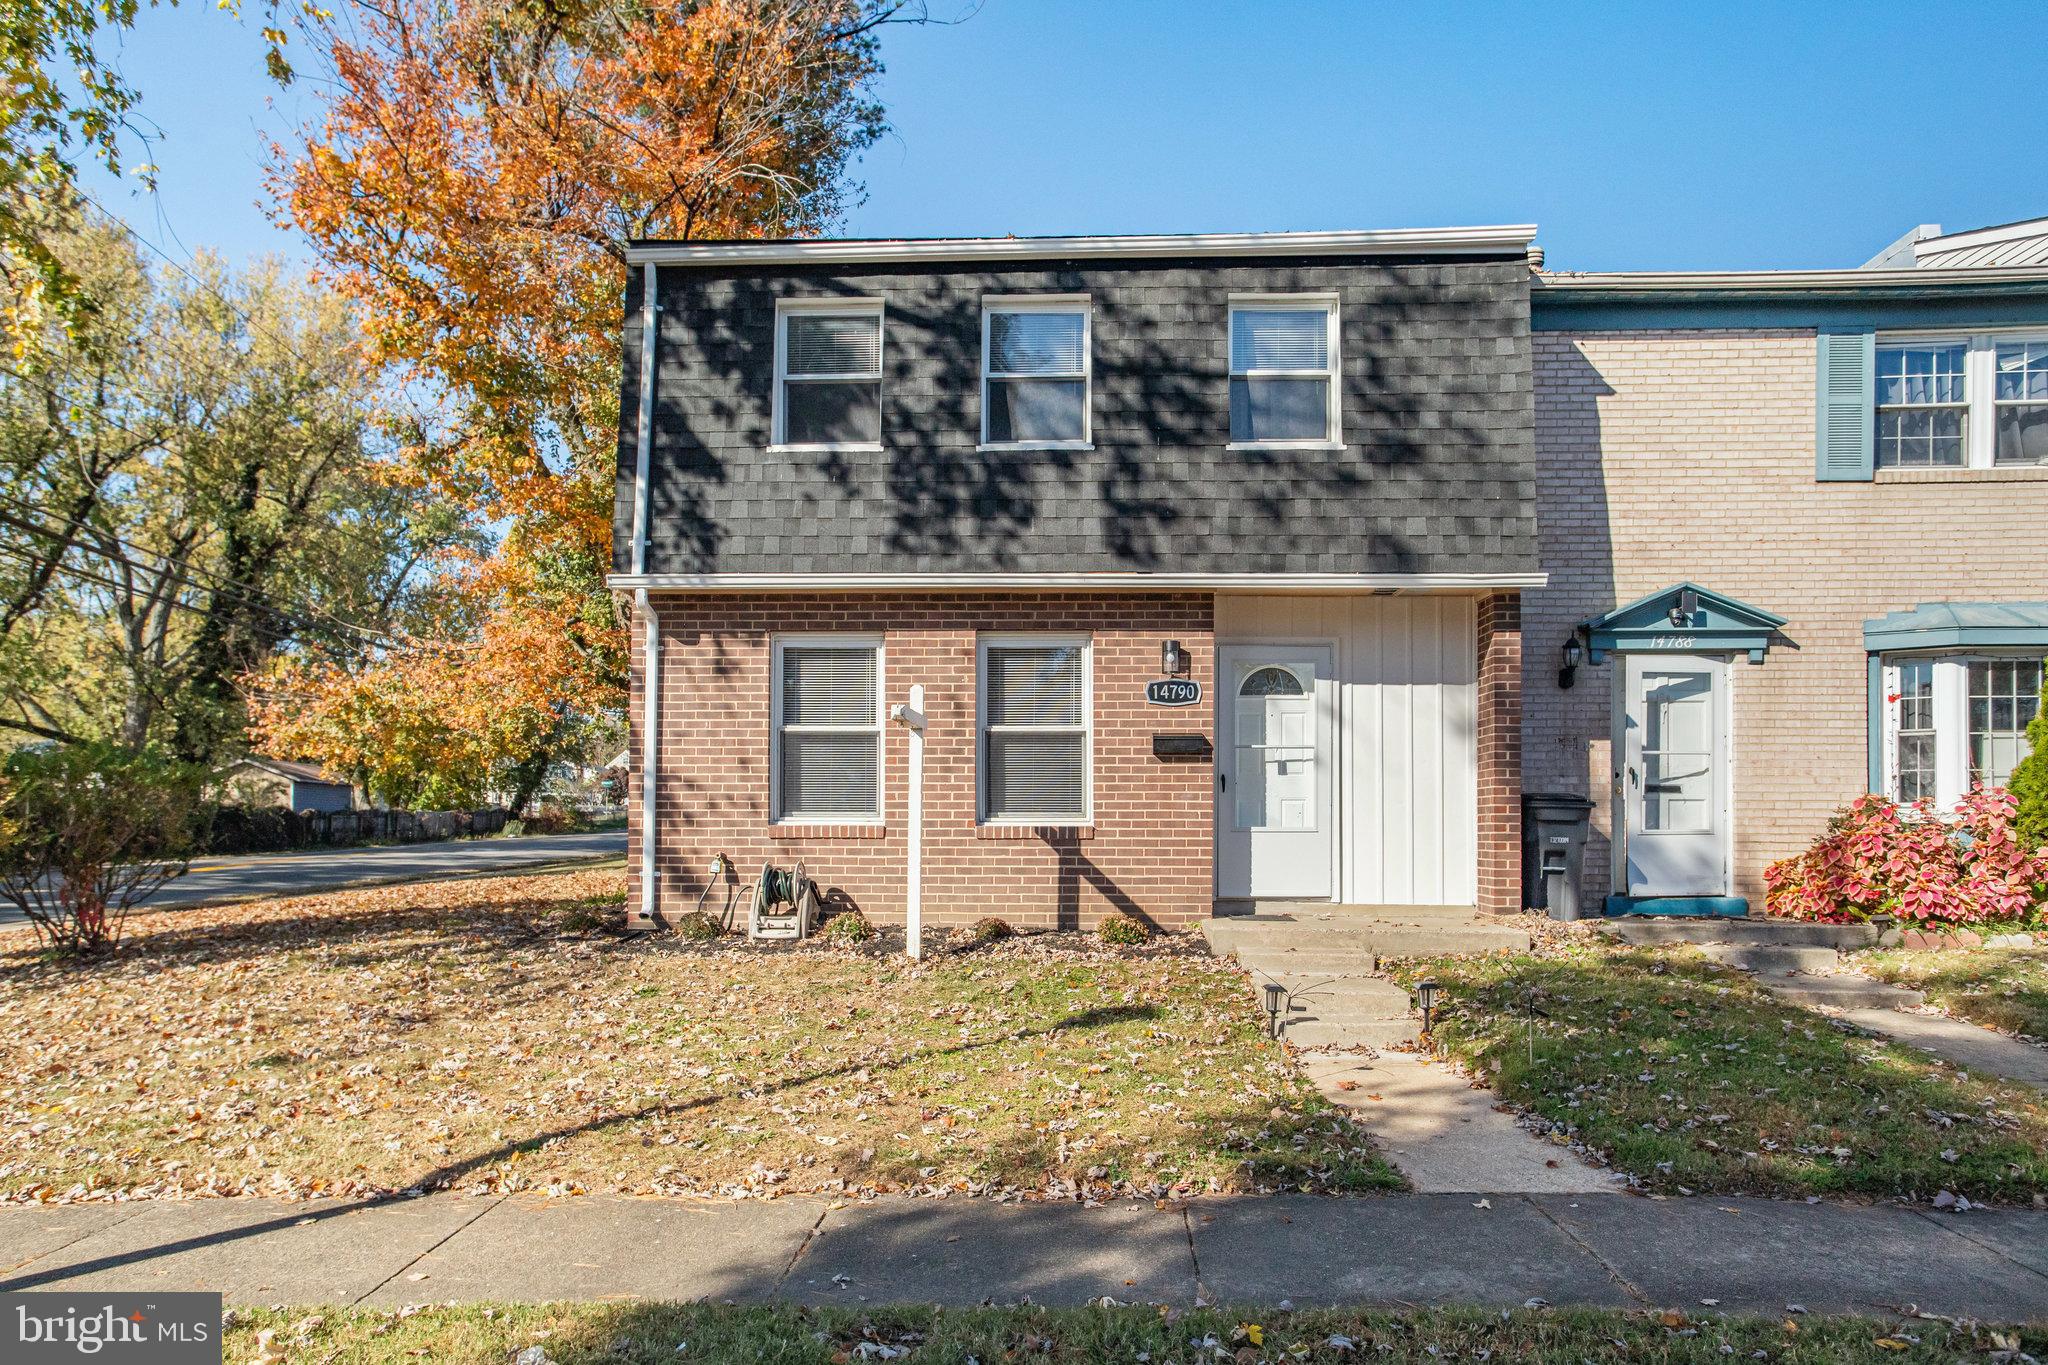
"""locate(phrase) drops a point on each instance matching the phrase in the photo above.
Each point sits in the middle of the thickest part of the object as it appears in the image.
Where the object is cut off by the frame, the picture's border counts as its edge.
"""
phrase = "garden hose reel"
(785, 904)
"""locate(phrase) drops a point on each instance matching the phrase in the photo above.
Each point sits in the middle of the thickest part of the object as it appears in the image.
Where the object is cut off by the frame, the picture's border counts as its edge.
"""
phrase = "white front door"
(1275, 781)
(1674, 774)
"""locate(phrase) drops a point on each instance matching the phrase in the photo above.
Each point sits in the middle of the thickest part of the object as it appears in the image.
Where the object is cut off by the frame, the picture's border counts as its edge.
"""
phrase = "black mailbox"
(1554, 830)
(1180, 746)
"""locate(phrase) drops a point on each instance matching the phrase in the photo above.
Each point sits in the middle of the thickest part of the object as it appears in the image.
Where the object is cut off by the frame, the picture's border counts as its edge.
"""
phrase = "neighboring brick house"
(1858, 452)
(1058, 485)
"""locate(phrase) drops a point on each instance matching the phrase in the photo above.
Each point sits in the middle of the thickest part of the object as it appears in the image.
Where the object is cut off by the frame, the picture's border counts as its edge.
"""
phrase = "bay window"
(1953, 721)
(827, 729)
(1035, 703)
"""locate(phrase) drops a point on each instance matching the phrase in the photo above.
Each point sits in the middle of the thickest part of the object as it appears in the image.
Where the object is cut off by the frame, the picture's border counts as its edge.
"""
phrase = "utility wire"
(293, 610)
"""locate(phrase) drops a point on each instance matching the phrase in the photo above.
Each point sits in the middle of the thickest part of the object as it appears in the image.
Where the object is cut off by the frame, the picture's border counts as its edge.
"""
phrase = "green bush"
(87, 830)
(990, 930)
(2029, 784)
(514, 828)
(1122, 931)
(848, 926)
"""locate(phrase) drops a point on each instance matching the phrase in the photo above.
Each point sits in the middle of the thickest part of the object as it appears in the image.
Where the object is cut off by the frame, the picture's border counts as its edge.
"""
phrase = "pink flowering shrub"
(1878, 857)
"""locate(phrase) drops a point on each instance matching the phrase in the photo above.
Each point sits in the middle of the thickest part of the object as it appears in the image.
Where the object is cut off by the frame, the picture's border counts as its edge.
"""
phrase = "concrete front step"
(1771, 959)
(1359, 994)
(1233, 935)
(1376, 1033)
(1651, 930)
(1848, 991)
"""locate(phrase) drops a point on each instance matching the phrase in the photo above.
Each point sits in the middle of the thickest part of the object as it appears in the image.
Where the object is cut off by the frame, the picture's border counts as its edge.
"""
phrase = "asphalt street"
(298, 874)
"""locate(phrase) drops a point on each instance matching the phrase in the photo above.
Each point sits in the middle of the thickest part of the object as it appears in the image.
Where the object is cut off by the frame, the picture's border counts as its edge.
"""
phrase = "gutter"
(1503, 240)
(1093, 582)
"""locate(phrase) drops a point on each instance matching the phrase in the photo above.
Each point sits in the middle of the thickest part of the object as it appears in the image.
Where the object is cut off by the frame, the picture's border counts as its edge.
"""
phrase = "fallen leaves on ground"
(1691, 1077)
(490, 1035)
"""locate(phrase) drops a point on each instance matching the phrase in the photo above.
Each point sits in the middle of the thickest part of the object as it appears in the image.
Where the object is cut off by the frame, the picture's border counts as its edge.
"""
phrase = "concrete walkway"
(1600, 1249)
(1892, 1011)
(218, 881)
(1443, 1133)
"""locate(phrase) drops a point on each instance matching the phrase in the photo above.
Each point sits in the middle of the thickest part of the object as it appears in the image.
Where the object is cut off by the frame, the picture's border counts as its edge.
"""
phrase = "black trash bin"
(1554, 830)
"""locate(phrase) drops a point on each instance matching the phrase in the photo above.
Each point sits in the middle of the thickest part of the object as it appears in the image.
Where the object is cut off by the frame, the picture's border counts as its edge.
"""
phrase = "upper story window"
(1955, 720)
(828, 374)
(1034, 372)
(1962, 402)
(827, 729)
(2020, 401)
(1283, 371)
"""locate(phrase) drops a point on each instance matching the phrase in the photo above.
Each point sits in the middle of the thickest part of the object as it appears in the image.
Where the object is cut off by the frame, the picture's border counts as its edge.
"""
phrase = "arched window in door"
(1270, 681)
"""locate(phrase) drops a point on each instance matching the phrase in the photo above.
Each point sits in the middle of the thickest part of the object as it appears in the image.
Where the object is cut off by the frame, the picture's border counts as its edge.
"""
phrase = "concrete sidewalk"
(1599, 1249)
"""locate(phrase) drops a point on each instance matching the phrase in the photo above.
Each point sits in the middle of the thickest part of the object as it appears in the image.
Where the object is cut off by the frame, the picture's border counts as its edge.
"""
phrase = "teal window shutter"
(1848, 407)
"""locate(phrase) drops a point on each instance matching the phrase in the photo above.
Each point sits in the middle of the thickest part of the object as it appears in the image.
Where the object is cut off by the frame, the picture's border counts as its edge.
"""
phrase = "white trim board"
(1107, 581)
(1504, 239)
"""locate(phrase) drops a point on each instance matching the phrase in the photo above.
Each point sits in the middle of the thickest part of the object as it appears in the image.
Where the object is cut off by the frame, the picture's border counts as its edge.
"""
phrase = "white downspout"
(650, 677)
(911, 717)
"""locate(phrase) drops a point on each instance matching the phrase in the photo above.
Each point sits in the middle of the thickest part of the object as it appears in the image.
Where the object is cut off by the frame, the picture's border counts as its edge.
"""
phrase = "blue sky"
(1638, 136)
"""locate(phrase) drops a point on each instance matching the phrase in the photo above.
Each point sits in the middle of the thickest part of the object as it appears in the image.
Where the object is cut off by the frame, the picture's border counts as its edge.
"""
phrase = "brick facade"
(1499, 724)
(1671, 455)
(1147, 852)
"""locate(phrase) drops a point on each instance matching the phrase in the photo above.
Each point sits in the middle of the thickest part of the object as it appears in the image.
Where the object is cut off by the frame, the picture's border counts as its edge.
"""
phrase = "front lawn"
(1693, 1078)
(2006, 988)
(646, 1333)
(490, 1035)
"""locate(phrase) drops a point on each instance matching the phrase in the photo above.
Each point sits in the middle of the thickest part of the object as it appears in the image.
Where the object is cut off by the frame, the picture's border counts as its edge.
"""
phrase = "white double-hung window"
(1034, 706)
(1955, 720)
(1283, 371)
(1961, 402)
(828, 374)
(1034, 372)
(827, 725)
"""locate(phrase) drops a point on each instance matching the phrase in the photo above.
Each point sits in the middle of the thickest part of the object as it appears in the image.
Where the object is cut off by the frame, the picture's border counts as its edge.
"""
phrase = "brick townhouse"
(1202, 553)
(1206, 562)
(1848, 469)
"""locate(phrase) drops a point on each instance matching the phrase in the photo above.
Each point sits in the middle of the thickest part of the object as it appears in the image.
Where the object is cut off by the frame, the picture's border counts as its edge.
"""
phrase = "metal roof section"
(1511, 239)
(2003, 246)
(1947, 625)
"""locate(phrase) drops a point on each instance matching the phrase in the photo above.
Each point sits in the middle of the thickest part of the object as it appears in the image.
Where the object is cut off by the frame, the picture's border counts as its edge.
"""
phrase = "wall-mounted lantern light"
(1276, 997)
(1425, 996)
(1173, 660)
(1685, 608)
(1573, 652)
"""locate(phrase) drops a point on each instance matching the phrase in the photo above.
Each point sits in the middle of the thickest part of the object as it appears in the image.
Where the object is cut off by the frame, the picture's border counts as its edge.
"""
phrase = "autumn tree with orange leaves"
(478, 172)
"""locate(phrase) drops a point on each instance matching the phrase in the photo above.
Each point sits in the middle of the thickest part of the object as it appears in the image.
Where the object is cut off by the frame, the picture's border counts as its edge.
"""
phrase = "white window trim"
(1951, 717)
(1333, 434)
(1083, 304)
(1980, 392)
(981, 729)
(778, 417)
(776, 814)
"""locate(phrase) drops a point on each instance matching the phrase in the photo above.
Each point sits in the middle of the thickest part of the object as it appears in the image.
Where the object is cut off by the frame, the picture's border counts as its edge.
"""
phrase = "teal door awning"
(1682, 619)
(1960, 625)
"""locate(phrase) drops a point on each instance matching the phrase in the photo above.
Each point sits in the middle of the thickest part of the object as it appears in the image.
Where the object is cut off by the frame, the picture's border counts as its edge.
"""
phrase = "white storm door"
(1275, 776)
(1674, 774)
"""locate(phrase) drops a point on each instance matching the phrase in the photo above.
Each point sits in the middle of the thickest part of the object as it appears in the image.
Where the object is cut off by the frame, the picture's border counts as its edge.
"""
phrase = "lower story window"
(1953, 721)
(1034, 707)
(2005, 694)
(827, 708)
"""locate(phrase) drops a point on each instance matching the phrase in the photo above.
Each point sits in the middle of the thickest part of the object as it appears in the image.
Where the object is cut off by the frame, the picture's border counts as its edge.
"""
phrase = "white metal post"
(911, 717)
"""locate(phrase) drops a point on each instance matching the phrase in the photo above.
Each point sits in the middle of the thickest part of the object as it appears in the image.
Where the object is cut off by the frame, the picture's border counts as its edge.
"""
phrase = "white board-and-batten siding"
(1407, 753)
